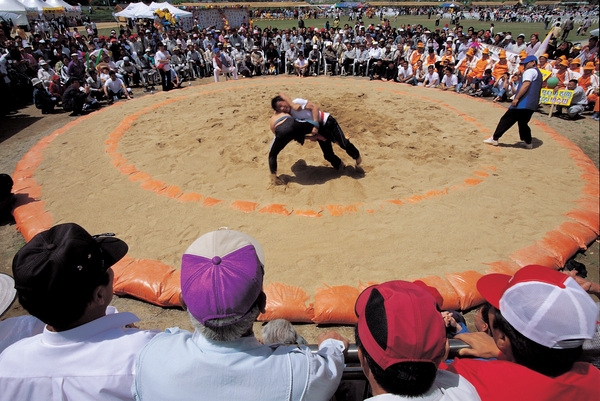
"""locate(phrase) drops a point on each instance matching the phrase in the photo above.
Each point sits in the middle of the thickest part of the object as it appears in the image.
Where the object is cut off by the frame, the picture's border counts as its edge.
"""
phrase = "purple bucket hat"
(222, 277)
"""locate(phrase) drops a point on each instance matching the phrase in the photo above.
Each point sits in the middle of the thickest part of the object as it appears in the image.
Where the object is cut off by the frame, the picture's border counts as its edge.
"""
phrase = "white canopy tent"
(172, 9)
(14, 11)
(37, 5)
(135, 10)
(66, 6)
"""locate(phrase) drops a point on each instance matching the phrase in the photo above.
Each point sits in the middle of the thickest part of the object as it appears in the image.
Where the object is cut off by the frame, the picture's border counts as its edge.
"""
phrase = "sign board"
(562, 97)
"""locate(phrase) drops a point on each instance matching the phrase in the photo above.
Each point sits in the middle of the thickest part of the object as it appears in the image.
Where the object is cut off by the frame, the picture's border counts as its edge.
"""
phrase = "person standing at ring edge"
(522, 107)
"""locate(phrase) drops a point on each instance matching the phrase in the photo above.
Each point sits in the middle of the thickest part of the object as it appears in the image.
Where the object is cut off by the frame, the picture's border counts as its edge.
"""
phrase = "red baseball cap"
(398, 322)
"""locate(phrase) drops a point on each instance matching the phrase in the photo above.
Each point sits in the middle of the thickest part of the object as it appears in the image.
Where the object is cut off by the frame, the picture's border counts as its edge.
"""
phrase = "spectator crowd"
(481, 63)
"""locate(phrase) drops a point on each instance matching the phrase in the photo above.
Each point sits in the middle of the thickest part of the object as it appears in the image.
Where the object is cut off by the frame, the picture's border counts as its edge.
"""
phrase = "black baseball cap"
(63, 257)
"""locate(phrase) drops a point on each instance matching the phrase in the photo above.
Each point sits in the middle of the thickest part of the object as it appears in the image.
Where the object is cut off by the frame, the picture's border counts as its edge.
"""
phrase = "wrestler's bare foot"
(358, 167)
(342, 166)
(277, 180)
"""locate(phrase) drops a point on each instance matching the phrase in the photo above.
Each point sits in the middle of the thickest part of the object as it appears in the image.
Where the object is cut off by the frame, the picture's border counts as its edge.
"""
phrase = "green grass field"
(515, 28)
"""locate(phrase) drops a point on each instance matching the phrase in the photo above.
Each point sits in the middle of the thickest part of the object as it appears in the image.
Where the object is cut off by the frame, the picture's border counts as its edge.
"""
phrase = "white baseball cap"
(546, 306)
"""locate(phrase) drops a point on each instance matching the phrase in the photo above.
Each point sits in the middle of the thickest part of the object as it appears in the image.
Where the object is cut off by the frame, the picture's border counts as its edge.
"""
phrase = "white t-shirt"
(451, 80)
(405, 72)
(114, 86)
(432, 79)
(300, 62)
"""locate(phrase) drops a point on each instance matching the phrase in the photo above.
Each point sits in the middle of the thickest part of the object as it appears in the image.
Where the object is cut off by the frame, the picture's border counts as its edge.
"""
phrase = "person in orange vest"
(522, 56)
(575, 66)
(590, 83)
(417, 55)
(544, 64)
(563, 74)
(431, 58)
(484, 63)
(449, 56)
(558, 61)
(464, 66)
(501, 66)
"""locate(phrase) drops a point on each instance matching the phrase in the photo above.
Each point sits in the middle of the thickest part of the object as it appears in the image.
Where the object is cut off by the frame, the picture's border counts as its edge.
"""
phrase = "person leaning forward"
(523, 106)
(401, 340)
(63, 277)
(221, 285)
(539, 320)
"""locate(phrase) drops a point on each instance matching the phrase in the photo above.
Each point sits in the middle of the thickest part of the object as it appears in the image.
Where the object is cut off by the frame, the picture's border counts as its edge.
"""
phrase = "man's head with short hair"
(279, 331)
(540, 317)
(57, 272)
(221, 284)
(400, 337)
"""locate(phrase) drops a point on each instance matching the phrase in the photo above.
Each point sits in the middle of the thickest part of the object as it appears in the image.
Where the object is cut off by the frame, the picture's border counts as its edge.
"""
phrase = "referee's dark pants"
(512, 116)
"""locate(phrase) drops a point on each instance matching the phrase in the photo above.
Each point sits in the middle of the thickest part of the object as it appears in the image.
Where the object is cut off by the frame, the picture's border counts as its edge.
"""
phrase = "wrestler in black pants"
(512, 116)
(332, 131)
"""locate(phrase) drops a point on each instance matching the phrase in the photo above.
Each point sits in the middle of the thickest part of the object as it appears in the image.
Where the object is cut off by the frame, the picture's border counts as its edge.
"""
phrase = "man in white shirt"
(221, 285)
(301, 65)
(449, 80)
(114, 88)
(405, 73)
(401, 340)
(63, 277)
(432, 78)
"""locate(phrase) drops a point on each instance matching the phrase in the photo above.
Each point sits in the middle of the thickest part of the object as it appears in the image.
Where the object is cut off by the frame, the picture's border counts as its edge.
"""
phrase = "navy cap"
(529, 59)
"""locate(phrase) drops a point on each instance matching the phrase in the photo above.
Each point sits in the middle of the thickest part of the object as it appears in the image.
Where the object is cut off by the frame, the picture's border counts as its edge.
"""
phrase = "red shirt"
(504, 381)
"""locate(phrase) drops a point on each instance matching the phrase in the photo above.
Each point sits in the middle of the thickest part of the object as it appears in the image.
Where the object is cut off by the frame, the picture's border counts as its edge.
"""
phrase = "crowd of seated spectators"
(461, 60)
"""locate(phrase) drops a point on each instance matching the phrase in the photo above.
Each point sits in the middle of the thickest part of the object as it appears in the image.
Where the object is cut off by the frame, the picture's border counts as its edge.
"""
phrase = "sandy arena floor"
(162, 170)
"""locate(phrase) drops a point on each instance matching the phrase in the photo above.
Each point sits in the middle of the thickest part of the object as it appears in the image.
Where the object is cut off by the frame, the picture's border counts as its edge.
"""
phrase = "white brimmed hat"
(7, 292)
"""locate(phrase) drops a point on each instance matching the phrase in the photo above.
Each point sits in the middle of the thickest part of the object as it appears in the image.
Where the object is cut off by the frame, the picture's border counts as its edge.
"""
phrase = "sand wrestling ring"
(434, 203)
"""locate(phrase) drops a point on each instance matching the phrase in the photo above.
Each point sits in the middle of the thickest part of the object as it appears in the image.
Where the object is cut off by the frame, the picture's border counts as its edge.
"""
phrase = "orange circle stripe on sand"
(156, 282)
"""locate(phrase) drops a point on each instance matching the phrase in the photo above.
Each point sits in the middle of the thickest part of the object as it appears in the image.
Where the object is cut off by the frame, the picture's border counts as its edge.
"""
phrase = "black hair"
(275, 100)
(6, 184)
(485, 309)
(547, 361)
(61, 307)
(410, 379)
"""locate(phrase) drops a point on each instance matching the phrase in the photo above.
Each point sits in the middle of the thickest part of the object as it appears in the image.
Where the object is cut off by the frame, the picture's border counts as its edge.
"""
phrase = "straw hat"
(101, 66)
